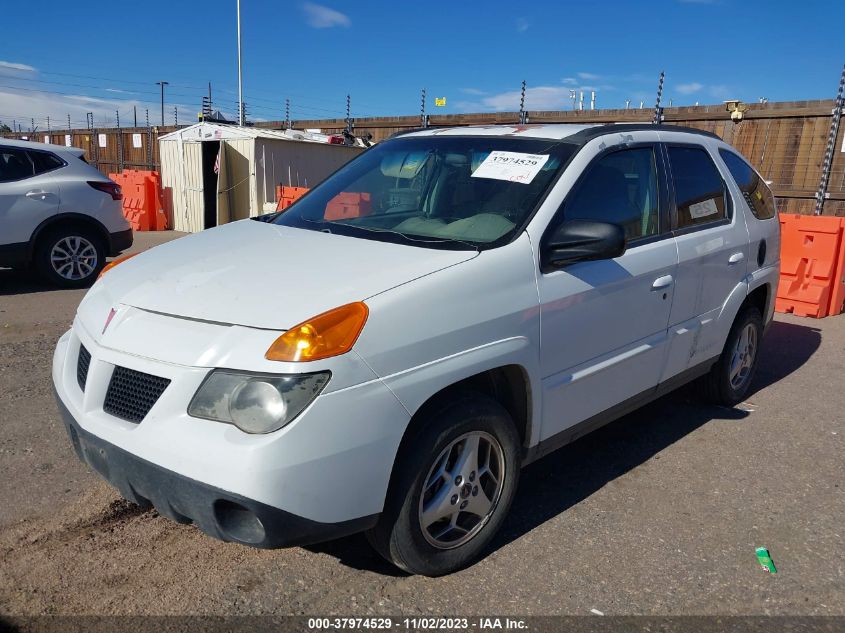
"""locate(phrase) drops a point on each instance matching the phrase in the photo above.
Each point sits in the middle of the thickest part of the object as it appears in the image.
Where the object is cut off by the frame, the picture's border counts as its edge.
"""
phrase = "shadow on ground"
(557, 482)
(20, 282)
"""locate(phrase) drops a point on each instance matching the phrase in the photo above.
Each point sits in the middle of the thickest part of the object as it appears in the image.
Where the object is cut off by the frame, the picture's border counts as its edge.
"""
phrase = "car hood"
(263, 275)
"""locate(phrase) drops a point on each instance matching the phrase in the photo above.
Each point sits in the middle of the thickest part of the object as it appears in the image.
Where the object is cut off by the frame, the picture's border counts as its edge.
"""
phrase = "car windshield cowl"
(452, 192)
(342, 228)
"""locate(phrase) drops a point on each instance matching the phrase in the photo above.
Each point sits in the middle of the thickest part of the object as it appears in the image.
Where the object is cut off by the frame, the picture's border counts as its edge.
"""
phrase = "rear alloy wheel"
(730, 378)
(452, 486)
(70, 258)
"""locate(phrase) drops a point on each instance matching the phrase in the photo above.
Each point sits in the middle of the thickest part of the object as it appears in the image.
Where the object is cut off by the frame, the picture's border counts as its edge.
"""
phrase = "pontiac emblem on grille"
(112, 312)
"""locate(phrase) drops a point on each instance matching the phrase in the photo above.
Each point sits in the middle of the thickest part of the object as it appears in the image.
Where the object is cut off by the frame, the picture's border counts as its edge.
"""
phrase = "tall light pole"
(240, 74)
(162, 84)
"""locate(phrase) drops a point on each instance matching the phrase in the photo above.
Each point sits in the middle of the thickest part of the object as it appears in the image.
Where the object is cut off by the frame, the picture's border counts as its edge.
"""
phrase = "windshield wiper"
(408, 238)
(414, 239)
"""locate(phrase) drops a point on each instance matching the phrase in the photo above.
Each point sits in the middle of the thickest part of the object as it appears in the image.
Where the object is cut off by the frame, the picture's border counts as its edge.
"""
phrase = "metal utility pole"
(162, 84)
(287, 114)
(592, 100)
(240, 73)
(348, 116)
(69, 128)
(831, 143)
(423, 117)
(523, 115)
(119, 140)
(135, 113)
(658, 111)
(176, 116)
(573, 94)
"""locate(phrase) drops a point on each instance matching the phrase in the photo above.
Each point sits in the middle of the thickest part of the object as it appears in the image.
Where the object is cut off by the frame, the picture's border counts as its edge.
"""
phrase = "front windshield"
(452, 191)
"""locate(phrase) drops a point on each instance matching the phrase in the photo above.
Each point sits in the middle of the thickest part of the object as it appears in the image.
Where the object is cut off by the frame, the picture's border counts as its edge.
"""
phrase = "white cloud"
(536, 98)
(522, 25)
(473, 91)
(589, 76)
(570, 81)
(39, 105)
(720, 91)
(321, 17)
(688, 89)
(15, 66)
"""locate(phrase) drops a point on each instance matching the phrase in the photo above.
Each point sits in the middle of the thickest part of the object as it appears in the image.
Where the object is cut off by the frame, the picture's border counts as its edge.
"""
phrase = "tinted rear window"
(755, 191)
(699, 189)
(45, 161)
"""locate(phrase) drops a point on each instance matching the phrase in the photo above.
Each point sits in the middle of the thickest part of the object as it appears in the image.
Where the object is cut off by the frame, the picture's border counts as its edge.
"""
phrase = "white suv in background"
(58, 213)
(482, 296)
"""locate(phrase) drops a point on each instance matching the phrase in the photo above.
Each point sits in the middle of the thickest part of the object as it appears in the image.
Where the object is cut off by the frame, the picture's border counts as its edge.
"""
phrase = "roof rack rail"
(612, 128)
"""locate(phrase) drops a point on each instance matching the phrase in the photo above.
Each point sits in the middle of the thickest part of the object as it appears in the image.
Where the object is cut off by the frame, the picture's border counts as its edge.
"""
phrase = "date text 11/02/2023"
(417, 624)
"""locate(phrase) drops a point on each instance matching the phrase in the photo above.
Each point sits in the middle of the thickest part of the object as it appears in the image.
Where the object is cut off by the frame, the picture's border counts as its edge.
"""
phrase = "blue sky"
(107, 56)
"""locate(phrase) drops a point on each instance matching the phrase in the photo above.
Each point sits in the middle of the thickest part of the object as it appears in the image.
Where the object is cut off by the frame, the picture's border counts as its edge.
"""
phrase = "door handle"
(662, 282)
(40, 195)
(736, 258)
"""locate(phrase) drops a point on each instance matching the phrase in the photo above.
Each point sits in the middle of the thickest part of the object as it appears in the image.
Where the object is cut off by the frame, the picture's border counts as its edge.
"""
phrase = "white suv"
(388, 359)
(58, 213)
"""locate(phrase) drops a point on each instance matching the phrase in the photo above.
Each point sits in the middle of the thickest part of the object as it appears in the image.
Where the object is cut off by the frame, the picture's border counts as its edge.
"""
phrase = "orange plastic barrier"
(142, 199)
(812, 265)
(286, 196)
(348, 205)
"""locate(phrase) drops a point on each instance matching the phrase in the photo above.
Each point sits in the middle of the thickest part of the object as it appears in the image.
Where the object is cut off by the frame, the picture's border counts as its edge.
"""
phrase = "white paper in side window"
(511, 166)
(703, 209)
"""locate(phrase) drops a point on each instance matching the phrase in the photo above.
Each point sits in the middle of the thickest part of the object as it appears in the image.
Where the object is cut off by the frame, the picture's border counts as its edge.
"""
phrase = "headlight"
(255, 403)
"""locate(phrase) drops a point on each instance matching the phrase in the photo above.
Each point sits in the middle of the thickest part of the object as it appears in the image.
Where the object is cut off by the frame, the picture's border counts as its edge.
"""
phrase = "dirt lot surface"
(658, 513)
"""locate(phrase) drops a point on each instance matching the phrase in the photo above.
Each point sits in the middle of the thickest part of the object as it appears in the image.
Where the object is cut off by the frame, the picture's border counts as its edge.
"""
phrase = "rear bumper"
(119, 241)
(223, 515)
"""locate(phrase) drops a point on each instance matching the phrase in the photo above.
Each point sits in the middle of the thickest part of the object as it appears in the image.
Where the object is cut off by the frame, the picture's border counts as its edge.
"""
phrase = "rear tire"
(452, 486)
(730, 378)
(70, 257)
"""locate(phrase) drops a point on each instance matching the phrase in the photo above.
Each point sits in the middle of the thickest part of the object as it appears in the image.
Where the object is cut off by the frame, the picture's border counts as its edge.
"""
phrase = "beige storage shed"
(212, 174)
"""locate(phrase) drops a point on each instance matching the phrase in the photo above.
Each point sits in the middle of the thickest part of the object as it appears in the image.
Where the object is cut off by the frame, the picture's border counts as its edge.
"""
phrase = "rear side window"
(45, 161)
(699, 189)
(620, 188)
(14, 164)
(755, 191)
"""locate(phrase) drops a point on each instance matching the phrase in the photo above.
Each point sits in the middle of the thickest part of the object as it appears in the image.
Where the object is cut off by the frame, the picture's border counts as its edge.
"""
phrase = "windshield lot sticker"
(703, 209)
(511, 166)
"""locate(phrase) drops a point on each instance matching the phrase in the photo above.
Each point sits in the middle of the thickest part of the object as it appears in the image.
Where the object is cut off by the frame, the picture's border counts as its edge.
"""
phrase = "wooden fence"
(785, 141)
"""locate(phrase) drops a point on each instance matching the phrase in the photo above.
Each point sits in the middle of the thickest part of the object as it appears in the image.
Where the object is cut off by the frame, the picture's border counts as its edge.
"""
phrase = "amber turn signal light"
(114, 263)
(329, 334)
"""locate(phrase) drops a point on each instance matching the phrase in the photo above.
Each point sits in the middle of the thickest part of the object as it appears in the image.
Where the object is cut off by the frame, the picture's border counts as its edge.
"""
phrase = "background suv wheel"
(70, 257)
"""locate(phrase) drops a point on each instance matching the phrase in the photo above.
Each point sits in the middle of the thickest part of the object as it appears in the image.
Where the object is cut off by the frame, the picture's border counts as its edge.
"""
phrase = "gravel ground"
(657, 514)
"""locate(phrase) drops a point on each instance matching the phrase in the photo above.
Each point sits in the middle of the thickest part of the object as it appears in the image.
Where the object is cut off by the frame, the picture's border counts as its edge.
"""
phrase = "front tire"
(70, 257)
(452, 487)
(730, 378)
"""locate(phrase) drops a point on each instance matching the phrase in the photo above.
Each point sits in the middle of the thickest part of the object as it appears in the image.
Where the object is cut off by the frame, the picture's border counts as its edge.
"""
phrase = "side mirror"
(582, 240)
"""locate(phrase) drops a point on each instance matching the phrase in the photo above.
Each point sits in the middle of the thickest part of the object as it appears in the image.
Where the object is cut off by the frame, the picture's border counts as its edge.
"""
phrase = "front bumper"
(330, 466)
(223, 515)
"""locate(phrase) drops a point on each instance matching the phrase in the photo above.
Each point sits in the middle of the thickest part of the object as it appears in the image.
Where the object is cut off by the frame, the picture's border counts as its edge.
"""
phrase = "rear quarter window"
(45, 161)
(755, 191)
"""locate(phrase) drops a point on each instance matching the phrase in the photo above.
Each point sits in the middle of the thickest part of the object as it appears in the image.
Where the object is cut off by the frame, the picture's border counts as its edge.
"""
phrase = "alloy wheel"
(461, 490)
(742, 360)
(73, 258)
